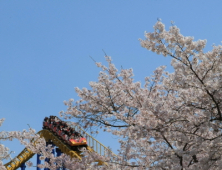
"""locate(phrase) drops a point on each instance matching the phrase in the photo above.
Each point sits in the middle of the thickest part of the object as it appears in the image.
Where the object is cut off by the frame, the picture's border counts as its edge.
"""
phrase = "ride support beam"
(53, 152)
(59, 153)
(38, 161)
(23, 166)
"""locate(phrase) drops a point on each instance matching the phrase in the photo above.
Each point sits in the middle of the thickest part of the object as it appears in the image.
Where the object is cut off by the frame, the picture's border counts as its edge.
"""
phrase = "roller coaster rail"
(93, 146)
(92, 142)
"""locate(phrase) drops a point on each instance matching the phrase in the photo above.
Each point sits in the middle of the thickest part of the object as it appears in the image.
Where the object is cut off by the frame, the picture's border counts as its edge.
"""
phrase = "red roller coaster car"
(67, 134)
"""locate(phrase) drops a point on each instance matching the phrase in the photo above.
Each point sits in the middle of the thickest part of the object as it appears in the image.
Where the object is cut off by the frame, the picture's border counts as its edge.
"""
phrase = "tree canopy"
(173, 120)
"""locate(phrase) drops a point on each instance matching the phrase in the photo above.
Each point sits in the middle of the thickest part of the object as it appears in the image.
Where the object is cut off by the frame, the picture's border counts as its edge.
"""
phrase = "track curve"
(26, 154)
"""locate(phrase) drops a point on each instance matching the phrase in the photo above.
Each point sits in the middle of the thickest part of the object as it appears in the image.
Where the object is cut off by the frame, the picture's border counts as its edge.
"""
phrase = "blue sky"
(45, 48)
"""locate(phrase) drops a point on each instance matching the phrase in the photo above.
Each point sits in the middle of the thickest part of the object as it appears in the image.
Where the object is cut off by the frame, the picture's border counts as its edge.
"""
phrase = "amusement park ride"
(68, 139)
(64, 132)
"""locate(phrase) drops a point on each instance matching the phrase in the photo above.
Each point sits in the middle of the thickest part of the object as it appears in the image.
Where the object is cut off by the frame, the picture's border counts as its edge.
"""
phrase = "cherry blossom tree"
(173, 121)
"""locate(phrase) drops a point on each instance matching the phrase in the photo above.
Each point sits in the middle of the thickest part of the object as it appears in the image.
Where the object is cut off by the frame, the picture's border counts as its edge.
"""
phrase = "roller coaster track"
(93, 146)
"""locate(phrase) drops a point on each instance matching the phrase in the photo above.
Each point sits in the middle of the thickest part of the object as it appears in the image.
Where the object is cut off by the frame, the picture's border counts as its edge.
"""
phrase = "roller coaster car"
(45, 125)
(59, 132)
(67, 134)
(78, 142)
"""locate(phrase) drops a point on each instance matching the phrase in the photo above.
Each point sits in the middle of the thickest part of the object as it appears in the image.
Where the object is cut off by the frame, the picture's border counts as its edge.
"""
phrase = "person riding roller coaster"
(64, 132)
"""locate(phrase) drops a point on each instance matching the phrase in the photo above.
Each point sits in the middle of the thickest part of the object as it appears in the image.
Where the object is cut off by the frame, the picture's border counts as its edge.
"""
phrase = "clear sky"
(45, 48)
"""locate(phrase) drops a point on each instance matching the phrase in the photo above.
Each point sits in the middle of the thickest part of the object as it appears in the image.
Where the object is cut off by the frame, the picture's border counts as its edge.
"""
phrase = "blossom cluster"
(173, 121)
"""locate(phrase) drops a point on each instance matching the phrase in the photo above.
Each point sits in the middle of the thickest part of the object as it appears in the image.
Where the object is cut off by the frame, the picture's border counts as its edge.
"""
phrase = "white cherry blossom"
(172, 121)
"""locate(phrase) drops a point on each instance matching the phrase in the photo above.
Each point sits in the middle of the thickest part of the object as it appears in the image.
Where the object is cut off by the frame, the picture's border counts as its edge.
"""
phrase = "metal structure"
(92, 142)
(93, 146)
